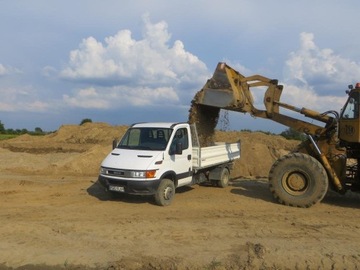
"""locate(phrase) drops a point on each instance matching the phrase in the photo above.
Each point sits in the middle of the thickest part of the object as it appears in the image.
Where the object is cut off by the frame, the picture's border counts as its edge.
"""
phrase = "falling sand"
(205, 118)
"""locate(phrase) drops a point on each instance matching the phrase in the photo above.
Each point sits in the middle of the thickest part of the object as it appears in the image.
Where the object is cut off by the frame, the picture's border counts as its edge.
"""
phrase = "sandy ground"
(63, 219)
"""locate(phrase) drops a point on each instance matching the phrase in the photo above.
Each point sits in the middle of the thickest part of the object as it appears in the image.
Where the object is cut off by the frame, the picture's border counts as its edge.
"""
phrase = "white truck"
(156, 158)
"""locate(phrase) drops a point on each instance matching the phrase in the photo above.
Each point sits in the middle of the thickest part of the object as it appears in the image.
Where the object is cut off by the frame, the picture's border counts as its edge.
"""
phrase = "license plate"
(117, 188)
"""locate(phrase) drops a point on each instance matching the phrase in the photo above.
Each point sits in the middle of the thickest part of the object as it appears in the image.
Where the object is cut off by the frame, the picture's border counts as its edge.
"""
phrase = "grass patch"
(7, 136)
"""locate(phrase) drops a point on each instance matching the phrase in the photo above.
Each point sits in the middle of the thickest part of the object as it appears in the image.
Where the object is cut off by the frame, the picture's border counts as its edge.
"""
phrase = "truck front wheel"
(165, 192)
(298, 180)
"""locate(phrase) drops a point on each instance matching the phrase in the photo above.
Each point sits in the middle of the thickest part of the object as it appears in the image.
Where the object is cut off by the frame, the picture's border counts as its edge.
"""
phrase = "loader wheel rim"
(295, 183)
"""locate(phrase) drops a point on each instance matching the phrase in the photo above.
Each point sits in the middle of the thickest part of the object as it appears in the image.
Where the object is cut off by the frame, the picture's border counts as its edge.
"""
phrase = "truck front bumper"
(147, 187)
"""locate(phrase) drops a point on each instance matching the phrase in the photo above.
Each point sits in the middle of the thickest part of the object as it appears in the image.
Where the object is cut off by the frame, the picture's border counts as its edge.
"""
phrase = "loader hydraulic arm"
(230, 90)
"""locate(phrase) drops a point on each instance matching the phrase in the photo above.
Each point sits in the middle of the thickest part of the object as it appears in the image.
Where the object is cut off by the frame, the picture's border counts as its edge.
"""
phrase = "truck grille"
(116, 172)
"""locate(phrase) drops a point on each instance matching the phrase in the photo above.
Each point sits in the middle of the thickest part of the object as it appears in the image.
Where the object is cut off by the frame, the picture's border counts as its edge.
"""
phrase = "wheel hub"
(295, 183)
(168, 193)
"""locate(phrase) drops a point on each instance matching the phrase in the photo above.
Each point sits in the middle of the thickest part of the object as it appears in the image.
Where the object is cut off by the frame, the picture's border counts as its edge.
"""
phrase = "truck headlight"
(143, 174)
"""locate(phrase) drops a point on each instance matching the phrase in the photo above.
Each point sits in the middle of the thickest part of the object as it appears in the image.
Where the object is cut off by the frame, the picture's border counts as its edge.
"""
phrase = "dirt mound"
(73, 149)
(88, 133)
(258, 151)
(80, 149)
(69, 138)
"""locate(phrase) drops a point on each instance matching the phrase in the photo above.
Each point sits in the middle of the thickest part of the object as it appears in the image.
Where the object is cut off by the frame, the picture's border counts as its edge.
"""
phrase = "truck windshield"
(145, 139)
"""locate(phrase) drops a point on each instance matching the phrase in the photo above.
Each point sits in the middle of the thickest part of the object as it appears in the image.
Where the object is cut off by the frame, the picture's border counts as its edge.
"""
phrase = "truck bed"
(204, 157)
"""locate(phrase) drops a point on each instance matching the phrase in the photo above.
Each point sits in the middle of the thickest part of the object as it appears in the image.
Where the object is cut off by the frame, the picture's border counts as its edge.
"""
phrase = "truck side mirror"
(114, 144)
(177, 150)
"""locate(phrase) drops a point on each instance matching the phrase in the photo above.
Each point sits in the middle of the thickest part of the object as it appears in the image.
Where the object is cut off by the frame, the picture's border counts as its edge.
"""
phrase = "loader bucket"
(218, 91)
(230, 90)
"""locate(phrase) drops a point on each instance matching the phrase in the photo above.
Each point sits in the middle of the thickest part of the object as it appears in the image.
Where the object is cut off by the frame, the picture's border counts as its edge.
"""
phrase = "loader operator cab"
(349, 123)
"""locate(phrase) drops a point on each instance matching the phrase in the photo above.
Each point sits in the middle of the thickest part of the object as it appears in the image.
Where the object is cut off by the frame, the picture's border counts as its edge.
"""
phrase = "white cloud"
(308, 98)
(86, 98)
(149, 67)
(238, 67)
(7, 107)
(21, 99)
(320, 68)
(315, 79)
(3, 70)
(49, 71)
(37, 106)
(150, 96)
(120, 97)
(6, 70)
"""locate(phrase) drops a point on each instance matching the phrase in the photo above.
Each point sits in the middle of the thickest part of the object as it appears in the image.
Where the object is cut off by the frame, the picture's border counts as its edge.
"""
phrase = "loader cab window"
(351, 109)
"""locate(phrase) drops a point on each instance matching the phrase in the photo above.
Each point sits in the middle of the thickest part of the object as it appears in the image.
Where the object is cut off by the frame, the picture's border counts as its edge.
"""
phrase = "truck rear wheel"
(224, 178)
(165, 192)
(298, 180)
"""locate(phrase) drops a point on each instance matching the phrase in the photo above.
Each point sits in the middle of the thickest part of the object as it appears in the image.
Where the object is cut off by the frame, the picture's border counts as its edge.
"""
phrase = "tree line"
(36, 131)
(11, 131)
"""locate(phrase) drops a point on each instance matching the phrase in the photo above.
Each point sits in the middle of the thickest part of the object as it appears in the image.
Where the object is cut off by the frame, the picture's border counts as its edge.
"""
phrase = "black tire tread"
(221, 183)
(159, 199)
(301, 159)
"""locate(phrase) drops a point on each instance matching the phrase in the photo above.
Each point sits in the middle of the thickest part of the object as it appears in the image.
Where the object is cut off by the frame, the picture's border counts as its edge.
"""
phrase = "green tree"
(10, 131)
(2, 127)
(24, 131)
(38, 130)
(86, 120)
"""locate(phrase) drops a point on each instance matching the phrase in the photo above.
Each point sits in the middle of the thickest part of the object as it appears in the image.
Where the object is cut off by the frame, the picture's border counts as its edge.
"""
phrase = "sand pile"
(69, 138)
(258, 151)
(79, 150)
(71, 150)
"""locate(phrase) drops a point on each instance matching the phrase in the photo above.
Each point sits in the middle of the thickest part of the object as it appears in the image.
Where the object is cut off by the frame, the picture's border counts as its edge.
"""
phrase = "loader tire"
(298, 180)
(165, 192)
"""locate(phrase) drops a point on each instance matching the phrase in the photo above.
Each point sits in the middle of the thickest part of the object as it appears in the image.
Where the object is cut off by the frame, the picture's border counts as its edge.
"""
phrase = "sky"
(128, 61)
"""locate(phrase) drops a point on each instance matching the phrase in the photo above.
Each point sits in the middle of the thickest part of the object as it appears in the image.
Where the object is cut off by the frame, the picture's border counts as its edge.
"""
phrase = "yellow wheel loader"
(327, 159)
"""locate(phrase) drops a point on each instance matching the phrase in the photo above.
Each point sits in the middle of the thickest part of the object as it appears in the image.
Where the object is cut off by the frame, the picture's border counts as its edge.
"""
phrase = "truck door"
(181, 161)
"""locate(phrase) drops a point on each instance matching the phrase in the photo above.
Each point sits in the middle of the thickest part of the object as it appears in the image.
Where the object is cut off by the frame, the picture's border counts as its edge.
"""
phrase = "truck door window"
(181, 136)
